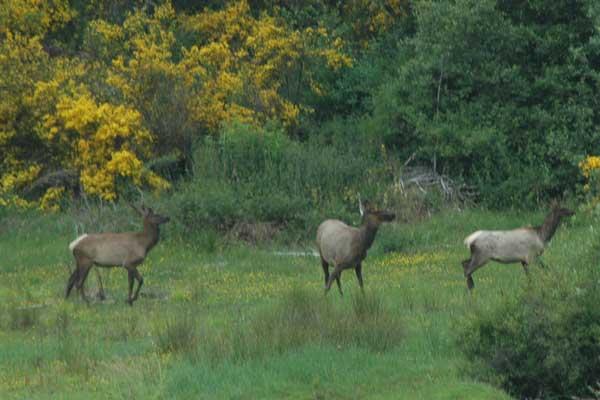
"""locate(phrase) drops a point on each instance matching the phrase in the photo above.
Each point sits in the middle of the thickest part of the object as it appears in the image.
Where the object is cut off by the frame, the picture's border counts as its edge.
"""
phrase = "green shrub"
(543, 344)
(251, 175)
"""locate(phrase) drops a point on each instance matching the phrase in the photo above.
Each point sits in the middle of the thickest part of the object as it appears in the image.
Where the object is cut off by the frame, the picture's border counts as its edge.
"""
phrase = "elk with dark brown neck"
(518, 245)
(127, 250)
(345, 247)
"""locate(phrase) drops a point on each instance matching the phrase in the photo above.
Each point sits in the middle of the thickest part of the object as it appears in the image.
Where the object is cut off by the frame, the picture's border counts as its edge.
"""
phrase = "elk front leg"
(101, 295)
(140, 280)
(325, 266)
(358, 271)
(81, 284)
(130, 278)
(526, 268)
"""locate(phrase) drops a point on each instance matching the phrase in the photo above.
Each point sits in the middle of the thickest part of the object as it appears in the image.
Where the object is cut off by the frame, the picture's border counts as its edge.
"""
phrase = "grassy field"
(249, 323)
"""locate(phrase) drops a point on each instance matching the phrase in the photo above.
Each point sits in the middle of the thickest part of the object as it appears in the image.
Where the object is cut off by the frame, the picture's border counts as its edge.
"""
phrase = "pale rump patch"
(76, 241)
(471, 238)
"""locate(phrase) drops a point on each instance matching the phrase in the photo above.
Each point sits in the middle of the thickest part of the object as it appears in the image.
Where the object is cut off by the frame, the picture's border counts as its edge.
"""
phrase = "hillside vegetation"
(102, 97)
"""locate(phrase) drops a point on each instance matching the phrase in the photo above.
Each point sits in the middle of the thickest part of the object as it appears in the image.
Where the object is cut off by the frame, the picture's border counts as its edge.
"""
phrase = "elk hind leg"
(526, 268)
(101, 294)
(84, 269)
(325, 266)
(334, 275)
(471, 265)
(339, 282)
(72, 280)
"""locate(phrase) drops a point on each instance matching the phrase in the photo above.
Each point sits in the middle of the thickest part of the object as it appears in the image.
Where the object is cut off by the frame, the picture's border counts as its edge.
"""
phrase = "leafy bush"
(469, 93)
(250, 175)
(543, 344)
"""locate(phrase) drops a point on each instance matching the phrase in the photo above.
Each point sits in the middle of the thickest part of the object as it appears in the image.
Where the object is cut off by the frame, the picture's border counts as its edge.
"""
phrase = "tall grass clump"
(179, 333)
(22, 318)
(301, 319)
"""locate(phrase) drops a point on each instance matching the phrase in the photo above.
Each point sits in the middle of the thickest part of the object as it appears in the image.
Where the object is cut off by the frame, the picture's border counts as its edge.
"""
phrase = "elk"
(127, 250)
(345, 246)
(522, 245)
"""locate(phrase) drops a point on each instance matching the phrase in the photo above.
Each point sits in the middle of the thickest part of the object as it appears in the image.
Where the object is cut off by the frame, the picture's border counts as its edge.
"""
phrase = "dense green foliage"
(500, 94)
(247, 176)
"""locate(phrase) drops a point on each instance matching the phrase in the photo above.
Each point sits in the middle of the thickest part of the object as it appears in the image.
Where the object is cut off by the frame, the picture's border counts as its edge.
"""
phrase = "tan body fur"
(339, 244)
(517, 245)
(522, 245)
(113, 249)
(127, 250)
(343, 246)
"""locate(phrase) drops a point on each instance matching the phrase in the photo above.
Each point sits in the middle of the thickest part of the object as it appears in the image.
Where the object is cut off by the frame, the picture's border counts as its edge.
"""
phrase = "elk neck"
(150, 235)
(368, 231)
(548, 227)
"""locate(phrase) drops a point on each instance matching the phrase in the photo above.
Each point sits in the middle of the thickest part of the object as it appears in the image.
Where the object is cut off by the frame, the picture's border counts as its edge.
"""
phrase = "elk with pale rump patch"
(127, 250)
(345, 246)
(518, 245)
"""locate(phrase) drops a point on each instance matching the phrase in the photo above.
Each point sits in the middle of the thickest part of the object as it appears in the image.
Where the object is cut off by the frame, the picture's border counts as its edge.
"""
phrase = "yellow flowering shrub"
(590, 165)
(245, 62)
(34, 17)
(234, 71)
(106, 142)
(50, 199)
(590, 168)
(98, 107)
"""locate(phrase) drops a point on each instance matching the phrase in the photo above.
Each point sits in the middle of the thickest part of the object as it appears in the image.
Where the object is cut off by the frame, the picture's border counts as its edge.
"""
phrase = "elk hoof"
(470, 283)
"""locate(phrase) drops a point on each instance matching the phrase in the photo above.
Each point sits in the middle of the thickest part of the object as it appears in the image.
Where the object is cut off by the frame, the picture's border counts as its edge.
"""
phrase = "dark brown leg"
(358, 271)
(101, 295)
(72, 280)
(525, 268)
(130, 277)
(339, 283)
(465, 265)
(140, 280)
(470, 283)
(473, 264)
(325, 266)
(334, 275)
(83, 273)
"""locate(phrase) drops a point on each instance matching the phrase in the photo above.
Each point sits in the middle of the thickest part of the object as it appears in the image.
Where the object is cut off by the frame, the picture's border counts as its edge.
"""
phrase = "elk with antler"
(345, 246)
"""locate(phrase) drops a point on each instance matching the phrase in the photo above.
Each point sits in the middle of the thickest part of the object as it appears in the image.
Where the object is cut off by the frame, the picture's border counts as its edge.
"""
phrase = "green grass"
(245, 323)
